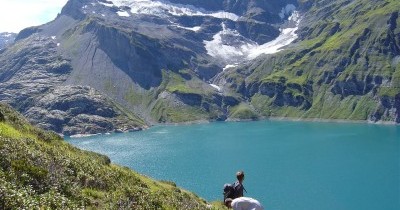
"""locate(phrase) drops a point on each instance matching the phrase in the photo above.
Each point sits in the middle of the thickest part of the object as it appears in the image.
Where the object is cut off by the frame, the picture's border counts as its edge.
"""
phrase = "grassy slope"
(358, 107)
(357, 50)
(38, 169)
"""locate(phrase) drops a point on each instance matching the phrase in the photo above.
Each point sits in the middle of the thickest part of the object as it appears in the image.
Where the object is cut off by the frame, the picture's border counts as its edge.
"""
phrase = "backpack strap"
(235, 184)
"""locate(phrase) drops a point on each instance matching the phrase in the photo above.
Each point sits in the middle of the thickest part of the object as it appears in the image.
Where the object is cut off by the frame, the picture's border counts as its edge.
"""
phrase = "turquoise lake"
(287, 165)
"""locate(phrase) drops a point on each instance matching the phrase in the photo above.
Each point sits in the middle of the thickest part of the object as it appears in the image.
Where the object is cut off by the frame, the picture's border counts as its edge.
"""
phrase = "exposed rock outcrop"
(74, 109)
(32, 80)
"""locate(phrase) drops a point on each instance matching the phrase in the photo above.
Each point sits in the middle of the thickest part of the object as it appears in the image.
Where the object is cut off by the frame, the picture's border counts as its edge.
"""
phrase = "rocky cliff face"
(32, 79)
(76, 109)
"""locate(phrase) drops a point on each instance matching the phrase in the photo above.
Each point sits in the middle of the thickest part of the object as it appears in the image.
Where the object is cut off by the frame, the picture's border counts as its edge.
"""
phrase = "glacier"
(246, 49)
(159, 8)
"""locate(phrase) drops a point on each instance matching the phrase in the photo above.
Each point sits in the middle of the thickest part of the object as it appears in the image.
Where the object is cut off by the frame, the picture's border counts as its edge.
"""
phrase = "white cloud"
(16, 15)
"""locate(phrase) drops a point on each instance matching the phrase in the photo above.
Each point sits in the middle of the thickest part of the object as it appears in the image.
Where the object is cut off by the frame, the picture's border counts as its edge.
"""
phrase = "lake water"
(287, 165)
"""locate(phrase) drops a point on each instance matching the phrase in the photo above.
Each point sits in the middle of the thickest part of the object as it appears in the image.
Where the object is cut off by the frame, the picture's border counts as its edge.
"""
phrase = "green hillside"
(344, 65)
(39, 170)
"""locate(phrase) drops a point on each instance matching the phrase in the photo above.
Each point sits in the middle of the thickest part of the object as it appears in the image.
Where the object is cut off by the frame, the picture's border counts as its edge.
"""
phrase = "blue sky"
(16, 15)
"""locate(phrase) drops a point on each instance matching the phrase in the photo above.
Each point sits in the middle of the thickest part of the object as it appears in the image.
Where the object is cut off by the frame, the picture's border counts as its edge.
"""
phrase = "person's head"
(240, 176)
(228, 202)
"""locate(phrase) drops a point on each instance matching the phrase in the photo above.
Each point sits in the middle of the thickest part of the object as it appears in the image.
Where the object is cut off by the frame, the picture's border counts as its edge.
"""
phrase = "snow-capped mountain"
(229, 31)
(230, 44)
(146, 55)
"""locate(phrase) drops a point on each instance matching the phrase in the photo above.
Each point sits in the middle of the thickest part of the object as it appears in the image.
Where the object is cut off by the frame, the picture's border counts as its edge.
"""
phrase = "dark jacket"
(238, 192)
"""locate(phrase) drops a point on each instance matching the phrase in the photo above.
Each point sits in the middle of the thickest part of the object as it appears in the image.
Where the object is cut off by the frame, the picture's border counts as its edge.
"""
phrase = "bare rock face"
(32, 80)
(30, 69)
(75, 109)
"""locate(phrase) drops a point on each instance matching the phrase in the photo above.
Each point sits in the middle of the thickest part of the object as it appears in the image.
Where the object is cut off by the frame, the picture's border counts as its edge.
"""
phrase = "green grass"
(318, 103)
(164, 111)
(40, 171)
(135, 98)
(174, 82)
(396, 77)
(7, 131)
(242, 111)
(389, 91)
(343, 109)
(263, 104)
(329, 106)
(287, 111)
(365, 106)
(266, 107)
(181, 88)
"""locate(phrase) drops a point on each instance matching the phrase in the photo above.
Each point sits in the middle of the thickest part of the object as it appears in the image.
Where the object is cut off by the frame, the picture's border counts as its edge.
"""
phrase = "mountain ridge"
(151, 60)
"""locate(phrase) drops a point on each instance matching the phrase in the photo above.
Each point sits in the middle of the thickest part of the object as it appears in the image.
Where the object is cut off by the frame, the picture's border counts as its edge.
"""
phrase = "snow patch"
(160, 8)
(232, 47)
(229, 66)
(191, 11)
(216, 87)
(106, 4)
(195, 29)
(123, 14)
(228, 44)
(287, 36)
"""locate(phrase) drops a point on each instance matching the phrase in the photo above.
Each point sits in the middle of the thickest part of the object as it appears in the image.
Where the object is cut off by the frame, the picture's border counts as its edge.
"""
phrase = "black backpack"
(229, 191)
